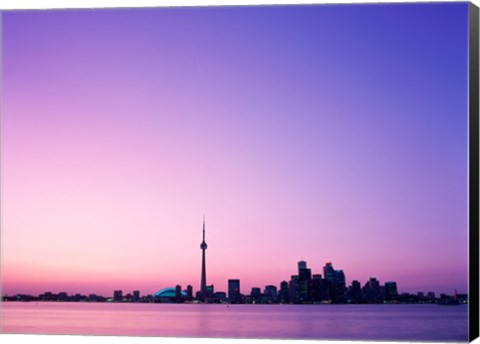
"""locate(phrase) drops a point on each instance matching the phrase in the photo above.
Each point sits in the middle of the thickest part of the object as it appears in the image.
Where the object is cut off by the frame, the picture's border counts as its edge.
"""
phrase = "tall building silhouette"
(270, 293)
(372, 293)
(335, 287)
(304, 277)
(303, 272)
(355, 292)
(391, 292)
(234, 291)
(283, 295)
(203, 283)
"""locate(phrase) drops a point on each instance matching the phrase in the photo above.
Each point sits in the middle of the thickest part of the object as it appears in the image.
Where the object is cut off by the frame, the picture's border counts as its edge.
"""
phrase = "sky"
(318, 133)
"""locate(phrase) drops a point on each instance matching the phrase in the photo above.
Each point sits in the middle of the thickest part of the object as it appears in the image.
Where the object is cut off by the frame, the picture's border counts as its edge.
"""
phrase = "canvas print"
(282, 172)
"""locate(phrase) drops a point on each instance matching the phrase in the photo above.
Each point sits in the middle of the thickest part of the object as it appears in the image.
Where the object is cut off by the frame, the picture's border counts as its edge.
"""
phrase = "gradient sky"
(323, 133)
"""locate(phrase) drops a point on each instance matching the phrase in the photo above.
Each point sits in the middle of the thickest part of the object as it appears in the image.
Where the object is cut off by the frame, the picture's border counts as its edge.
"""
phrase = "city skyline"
(304, 287)
(120, 128)
(201, 294)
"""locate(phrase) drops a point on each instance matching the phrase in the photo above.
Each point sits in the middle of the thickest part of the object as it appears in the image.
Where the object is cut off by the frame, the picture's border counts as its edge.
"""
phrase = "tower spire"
(203, 282)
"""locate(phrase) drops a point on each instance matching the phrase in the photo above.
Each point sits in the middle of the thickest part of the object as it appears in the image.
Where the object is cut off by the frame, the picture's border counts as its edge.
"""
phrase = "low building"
(169, 295)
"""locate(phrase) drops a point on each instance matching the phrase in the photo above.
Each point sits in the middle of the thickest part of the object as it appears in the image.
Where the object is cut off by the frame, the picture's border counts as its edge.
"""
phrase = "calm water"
(349, 322)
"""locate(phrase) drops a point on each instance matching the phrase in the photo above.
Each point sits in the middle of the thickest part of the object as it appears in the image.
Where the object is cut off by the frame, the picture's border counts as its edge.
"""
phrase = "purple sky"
(324, 133)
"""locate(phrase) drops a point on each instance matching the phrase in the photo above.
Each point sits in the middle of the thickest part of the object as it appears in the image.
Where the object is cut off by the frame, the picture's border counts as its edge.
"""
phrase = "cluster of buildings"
(302, 288)
(59, 297)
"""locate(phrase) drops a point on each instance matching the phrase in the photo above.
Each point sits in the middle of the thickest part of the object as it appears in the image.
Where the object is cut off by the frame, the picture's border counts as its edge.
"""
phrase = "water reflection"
(374, 322)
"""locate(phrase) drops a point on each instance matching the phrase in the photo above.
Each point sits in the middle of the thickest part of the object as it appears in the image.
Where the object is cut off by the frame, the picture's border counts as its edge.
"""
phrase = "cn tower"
(203, 284)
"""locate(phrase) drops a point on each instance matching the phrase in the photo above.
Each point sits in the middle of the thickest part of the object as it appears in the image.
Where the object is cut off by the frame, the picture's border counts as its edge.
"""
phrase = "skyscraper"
(355, 292)
(203, 283)
(372, 293)
(328, 271)
(178, 293)
(284, 292)
(340, 287)
(234, 290)
(304, 276)
(303, 272)
(117, 295)
(270, 293)
(391, 292)
(255, 295)
(302, 265)
(294, 289)
(315, 289)
(335, 288)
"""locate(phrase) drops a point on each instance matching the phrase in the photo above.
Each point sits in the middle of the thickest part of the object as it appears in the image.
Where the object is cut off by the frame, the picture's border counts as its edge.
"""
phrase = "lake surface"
(344, 322)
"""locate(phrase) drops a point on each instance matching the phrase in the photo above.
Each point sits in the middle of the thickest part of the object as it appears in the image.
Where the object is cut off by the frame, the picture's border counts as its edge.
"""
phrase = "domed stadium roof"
(168, 292)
